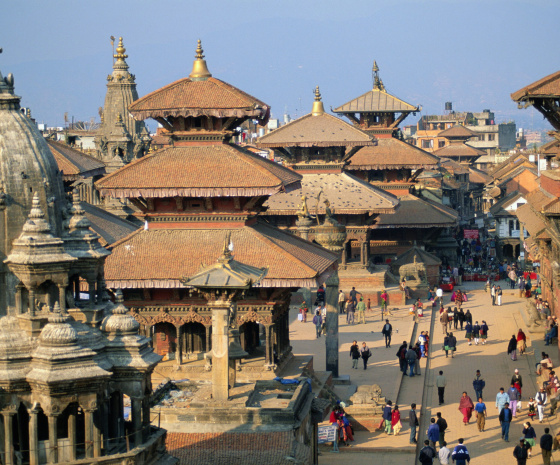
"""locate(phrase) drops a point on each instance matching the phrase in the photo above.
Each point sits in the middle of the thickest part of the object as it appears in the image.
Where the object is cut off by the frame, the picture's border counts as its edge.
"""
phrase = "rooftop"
(415, 212)
(74, 163)
(545, 87)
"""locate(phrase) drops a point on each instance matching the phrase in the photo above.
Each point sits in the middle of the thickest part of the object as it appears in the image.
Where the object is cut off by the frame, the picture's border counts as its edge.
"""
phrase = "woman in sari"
(521, 341)
(466, 407)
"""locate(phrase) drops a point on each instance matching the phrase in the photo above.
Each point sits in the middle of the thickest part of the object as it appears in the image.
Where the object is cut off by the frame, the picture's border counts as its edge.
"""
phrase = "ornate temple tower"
(121, 138)
(27, 168)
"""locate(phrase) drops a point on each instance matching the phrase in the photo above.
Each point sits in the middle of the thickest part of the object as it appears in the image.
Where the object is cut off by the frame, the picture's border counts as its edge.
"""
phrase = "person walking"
(361, 307)
(483, 332)
(521, 341)
(427, 454)
(461, 318)
(546, 446)
(318, 322)
(505, 418)
(476, 332)
(355, 354)
(517, 379)
(433, 432)
(354, 295)
(442, 427)
(365, 353)
(444, 454)
(514, 396)
(530, 437)
(468, 332)
(411, 358)
(341, 301)
(460, 454)
(493, 294)
(396, 420)
(441, 382)
(350, 310)
(499, 295)
(480, 409)
(417, 371)
(520, 452)
(387, 416)
(540, 399)
(413, 422)
(468, 317)
(387, 331)
(444, 320)
(512, 348)
(478, 384)
(384, 297)
(401, 354)
(455, 318)
(451, 344)
(466, 407)
(501, 400)
(439, 296)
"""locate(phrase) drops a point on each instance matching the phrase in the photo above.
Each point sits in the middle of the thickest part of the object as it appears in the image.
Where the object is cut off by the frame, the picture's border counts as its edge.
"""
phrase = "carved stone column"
(88, 426)
(145, 417)
(53, 438)
(179, 354)
(62, 297)
(72, 431)
(8, 436)
(269, 362)
(19, 298)
(331, 341)
(220, 362)
(33, 434)
(32, 301)
(91, 291)
(137, 420)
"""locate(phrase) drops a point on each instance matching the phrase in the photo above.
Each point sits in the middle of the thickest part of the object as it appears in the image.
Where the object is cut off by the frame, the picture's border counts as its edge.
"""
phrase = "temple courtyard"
(496, 368)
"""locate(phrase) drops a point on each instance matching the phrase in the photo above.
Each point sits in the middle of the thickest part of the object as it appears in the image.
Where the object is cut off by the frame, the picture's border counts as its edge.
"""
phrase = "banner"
(470, 233)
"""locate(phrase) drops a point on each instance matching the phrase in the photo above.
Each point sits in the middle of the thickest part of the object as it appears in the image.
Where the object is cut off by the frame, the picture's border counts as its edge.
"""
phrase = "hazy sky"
(472, 53)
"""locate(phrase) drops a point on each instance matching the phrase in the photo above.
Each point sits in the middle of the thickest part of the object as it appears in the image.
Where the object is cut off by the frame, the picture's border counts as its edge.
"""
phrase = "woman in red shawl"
(459, 298)
(521, 341)
(466, 407)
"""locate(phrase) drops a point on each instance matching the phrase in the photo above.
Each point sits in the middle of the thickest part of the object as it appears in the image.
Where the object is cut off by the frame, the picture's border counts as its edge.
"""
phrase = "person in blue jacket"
(460, 454)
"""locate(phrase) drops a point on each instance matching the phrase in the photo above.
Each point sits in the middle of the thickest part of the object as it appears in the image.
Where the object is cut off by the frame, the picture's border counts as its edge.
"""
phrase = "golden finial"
(119, 118)
(377, 82)
(318, 108)
(120, 55)
(199, 70)
(28, 113)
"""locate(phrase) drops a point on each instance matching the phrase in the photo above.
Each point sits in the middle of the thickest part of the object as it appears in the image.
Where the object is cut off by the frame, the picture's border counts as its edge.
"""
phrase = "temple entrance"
(507, 251)
(249, 336)
(165, 338)
(194, 340)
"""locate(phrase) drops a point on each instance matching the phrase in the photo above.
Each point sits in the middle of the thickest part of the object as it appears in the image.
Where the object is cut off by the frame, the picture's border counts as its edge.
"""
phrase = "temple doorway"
(165, 338)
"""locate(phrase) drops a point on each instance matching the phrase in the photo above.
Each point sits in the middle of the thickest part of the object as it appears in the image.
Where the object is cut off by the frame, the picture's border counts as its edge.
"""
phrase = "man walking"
(442, 427)
(413, 422)
(341, 301)
(444, 454)
(433, 432)
(480, 409)
(401, 354)
(540, 399)
(354, 295)
(384, 296)
(427, 454)
(350, 309)
(505, 418)
(546, 446)
(514, 396)
(361, 307)
(478, 384)
(444, 320)
(499, 295)
(460, 454)
(493, 294)
(441, 382)
(520, 452)
(411, 358)
(387, 331)
(501, 399)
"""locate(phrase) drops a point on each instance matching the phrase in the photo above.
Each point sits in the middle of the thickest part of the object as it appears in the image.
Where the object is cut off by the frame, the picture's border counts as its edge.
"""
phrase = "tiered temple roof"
(75, 164)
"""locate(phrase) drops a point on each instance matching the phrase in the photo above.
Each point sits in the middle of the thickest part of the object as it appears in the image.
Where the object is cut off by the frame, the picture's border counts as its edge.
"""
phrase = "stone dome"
(58, 331)
(121, 321)
(27, 166)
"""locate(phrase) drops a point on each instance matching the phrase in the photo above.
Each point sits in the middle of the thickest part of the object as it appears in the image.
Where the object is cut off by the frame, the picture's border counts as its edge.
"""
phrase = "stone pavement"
(491, 359)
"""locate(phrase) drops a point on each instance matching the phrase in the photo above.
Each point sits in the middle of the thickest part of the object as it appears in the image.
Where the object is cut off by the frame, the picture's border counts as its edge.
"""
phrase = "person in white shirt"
(341, 301)
(444, 454)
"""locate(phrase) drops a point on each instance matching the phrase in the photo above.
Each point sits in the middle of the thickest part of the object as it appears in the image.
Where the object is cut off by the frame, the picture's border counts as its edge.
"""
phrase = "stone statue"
(303, 211)
(328, 212)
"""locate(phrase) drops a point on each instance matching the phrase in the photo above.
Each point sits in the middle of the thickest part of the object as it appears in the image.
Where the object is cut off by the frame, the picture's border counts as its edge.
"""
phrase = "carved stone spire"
(377, 82)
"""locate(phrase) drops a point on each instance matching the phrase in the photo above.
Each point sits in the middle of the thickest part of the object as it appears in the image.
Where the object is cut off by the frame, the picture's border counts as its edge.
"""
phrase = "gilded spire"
(120, 55)
(377, 82)
(199, 70)
(318, 108)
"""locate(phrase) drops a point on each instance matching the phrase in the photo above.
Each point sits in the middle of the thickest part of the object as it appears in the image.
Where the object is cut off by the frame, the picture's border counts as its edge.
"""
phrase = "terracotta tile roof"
(453, 167)
(391, 153)
(540, 199)
(110, 227)
(499, 208)
(477, 176)
(414, 212)
(315, 131)
(510, 164)
(346, 193)
(552, 208)
(199, 171)
(73, 163)
(458, 150)
(457, 131)
(515, 172)
(420, 254)
(376, 100)
(551, 148)
(211, 97)
(532, 221)
(246, 448)
(547, 86)
(161, 257)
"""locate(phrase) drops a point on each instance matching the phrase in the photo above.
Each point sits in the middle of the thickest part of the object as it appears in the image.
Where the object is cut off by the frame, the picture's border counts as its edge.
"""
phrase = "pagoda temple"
(319, 146)
(195, 190)
(456, 147)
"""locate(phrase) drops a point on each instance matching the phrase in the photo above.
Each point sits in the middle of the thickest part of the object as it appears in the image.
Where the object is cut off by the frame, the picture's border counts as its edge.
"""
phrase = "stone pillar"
(32, 301)
(268, 358)
(97, 418)
(72, 431)
(19, 298)
(8, 437)
(105, 423)
(331, 341)
(220, 351)
(145, 418)
(91, 292)
(179, 354)
(88, 424)
(52, 453)
(137, 420)
(33, 433)
(62, 297)
(208, 338)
